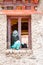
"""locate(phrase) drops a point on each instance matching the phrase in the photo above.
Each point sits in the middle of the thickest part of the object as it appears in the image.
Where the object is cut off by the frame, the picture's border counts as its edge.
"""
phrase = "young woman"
(15, 42)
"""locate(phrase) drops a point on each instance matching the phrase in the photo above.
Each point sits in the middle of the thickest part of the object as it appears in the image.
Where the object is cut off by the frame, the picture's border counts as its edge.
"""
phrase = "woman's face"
(15, 33)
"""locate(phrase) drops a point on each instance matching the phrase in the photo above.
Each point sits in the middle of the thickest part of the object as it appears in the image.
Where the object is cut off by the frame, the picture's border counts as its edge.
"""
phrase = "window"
(24, 30)
(20, 7)
(14, 26)
(3, 8)
(9, 7)
(26, 1)
(28, 7)
(22, 25)
(23, 7)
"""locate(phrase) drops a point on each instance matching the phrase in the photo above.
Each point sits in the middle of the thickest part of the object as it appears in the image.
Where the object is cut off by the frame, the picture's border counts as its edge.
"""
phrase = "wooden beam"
(9, 34)
(29, 33)
(19, 12)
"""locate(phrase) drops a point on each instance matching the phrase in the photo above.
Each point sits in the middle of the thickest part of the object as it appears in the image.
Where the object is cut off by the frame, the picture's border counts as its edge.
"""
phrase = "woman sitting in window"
(15, 42)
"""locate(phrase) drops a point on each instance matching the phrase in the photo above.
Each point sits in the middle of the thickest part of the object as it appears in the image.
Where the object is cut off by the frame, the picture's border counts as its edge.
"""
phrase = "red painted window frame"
(29, 30)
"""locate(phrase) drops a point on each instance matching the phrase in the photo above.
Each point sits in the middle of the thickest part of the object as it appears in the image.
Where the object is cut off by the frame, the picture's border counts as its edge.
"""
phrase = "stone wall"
(3, 32)
(40, 5)
(14, 57)
(37, 42)
(37, 27)
(37, 30)
(24, 58)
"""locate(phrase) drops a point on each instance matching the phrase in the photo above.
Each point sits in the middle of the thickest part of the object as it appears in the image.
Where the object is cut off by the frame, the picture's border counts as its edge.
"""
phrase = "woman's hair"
(14, 37)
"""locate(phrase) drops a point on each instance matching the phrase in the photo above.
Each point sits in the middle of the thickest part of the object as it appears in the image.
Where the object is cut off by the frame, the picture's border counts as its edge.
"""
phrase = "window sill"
(20, 52)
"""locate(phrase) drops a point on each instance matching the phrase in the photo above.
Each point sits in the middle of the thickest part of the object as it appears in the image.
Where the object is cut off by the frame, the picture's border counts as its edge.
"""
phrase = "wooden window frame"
(19, 30)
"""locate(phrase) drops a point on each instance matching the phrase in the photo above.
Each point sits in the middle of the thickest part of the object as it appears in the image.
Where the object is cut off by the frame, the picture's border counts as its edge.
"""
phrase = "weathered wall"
(15, 58)
(37, 30)
(37, 38)
(3, 32)
(37, 35)
(37, 27)
(40, 6)
(37, 42)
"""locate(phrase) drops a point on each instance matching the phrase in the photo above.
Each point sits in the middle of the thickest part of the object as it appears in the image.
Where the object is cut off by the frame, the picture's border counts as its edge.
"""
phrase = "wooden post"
(29, 33)
(9, 33)
(19, 28)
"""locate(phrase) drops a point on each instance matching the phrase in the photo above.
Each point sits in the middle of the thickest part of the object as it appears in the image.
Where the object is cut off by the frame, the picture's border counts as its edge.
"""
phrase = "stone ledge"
(18, 53)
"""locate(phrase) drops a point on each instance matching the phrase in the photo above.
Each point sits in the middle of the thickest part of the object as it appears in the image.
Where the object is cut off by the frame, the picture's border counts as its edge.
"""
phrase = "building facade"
(20, 13)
